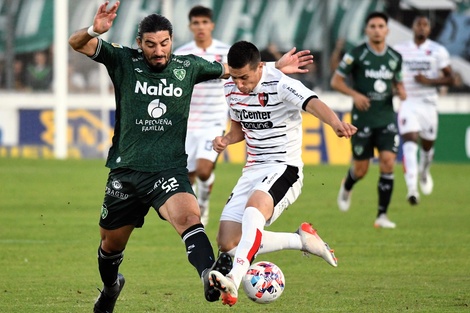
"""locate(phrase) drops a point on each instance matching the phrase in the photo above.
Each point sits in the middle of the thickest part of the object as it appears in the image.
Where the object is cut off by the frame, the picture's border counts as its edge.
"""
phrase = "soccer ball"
(263, 282)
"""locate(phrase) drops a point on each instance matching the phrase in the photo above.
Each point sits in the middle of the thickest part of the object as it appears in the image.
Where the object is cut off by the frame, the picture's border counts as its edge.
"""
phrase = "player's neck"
(378, 47)
(204, 44)
(419, 41)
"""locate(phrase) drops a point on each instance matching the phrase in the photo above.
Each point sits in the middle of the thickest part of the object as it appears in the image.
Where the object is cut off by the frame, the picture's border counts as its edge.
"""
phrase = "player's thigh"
(283, 183)
(408, 121)
(236, 203)
(121, 205)
(172, 195)
(386, 161)
(386, 138)
(362, 145)
(429, 122)
(181, 210)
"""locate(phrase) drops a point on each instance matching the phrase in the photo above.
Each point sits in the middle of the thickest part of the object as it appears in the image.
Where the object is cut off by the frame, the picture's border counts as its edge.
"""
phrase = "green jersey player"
(147, 159)
(375, 70)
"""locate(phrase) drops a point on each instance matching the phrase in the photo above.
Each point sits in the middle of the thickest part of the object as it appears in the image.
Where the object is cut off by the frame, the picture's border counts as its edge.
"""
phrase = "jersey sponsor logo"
(153, 125)
(293, 91)
(380, 86)
(263, 98)
(364, 133)
(161, 90)
(138, 70)
(392, 128)
(180, 73)
(156, 108)
(116, 193)
(116, 45)
(383, 73)
(257, 125)
(417, 66)
(252, 115)
(116, 184)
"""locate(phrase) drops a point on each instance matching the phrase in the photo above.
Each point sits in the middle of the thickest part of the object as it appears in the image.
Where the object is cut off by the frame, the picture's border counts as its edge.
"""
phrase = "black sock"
(108, 264)
(385, 189)
(198, 247)
(350, 180)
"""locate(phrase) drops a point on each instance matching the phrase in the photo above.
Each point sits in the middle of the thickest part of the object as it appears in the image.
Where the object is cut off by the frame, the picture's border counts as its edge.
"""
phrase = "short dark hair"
(420, 16)
(242, 53)
(154, 23)
(200, 10)
(375, 14)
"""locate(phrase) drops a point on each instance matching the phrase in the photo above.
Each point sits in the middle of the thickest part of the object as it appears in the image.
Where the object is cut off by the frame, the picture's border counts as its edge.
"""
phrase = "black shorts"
(366, 139)
(129, 194)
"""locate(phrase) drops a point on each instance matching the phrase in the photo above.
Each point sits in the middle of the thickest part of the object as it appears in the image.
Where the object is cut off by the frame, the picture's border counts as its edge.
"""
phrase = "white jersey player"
(265, 110)
(208, 111)
(426, 65)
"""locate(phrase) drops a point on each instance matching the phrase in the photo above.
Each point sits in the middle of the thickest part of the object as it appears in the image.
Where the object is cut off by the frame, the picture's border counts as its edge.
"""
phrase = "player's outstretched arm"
(325, 114)
(291, 62)
(84, 40)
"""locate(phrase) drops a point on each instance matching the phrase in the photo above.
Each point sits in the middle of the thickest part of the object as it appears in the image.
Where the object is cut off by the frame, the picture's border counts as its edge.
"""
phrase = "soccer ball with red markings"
(264, 282)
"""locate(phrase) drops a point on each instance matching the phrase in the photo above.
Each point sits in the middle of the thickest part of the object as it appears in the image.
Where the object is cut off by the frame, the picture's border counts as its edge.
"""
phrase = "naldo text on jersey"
(160, 90)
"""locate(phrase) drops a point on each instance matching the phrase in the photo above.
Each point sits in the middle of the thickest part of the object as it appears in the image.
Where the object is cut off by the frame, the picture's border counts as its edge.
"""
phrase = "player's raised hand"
(104, 17)
(291, 62)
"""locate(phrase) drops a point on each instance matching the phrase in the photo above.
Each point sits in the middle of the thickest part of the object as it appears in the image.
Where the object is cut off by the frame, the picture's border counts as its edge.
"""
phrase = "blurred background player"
(375, 70)
(208, 110)
(426, 65)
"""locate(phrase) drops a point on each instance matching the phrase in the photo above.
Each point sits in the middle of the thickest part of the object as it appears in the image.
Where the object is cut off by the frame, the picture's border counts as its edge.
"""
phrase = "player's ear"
(138, 41)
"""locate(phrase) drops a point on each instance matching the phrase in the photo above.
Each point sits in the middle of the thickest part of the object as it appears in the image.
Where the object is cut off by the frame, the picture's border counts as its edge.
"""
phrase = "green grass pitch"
(49, 213)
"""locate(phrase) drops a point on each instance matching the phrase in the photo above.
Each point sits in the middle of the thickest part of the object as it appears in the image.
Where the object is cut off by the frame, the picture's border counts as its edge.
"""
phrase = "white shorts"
(199, 145)
(415, 115)
(282, 182)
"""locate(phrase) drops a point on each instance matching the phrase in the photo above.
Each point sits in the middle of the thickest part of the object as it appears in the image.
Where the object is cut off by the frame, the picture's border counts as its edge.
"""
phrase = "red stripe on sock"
(254, 249)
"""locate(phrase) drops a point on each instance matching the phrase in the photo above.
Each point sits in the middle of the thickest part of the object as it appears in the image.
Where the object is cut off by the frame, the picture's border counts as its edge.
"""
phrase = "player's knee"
(226, 246)
(204, 174)
(359, 173)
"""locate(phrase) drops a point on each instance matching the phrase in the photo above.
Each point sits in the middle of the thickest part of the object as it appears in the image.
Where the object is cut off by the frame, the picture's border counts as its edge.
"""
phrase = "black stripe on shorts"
(282, 185)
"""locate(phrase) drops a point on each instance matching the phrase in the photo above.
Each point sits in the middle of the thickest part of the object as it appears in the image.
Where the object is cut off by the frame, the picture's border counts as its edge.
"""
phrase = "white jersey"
(428, 59)
(270, 117)
(208, 106)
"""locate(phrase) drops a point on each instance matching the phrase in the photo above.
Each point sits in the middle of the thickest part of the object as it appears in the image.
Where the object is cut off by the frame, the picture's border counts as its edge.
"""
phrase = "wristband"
(91, 32)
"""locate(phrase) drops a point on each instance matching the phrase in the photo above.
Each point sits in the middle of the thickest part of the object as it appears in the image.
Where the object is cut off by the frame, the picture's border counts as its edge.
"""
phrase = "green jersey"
(152, 108)
(373, 75)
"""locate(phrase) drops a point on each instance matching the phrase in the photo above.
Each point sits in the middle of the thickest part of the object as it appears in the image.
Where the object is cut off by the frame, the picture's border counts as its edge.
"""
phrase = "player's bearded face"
(156, 48)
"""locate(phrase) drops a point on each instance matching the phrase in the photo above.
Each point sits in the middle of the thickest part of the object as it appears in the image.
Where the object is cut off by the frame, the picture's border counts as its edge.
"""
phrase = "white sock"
(425, 159)
(204, 188)
(252, 227)
(410, 164)
(276, 241)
